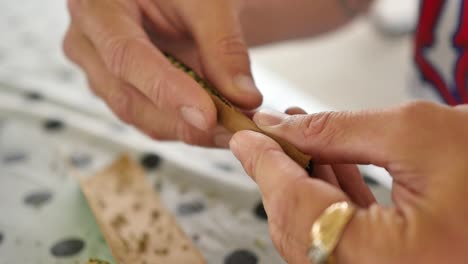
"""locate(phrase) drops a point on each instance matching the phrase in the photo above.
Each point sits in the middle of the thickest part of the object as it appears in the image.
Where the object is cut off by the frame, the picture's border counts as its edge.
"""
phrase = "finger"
(352, 183)
(129, 55)
(224, 53)
(348, 176)
(222, 136)
(127, 102)
(341, 137)
(326, 173)
(295, 111)
(292, 199)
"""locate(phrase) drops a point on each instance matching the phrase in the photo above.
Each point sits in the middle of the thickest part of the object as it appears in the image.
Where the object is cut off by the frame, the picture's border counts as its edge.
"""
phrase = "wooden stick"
(234, 120)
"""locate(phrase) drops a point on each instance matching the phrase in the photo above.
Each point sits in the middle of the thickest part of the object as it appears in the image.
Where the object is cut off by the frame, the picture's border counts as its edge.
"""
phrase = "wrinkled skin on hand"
(424, 147)
(119, 44)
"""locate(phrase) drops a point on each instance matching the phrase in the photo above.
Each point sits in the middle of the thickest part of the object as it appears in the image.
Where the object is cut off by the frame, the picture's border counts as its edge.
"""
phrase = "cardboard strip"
(134, 222)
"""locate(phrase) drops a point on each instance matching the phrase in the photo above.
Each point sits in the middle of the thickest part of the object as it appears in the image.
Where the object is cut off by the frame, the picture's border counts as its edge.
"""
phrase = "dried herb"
(97, 261)
(143, 243)
(118, 221)
(203, 83)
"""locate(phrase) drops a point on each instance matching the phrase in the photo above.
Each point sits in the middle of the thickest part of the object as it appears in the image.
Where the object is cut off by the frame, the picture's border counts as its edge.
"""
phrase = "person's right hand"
(118, 44)
(424, 146)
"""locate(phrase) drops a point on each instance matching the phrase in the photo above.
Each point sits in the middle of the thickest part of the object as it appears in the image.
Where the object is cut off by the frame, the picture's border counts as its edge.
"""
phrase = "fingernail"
(195, 117)
(267, 118)
(245, 84)
(222, 140)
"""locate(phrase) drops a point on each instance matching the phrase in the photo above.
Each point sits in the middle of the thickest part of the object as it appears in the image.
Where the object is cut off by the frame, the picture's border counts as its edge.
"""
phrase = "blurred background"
(367, 63)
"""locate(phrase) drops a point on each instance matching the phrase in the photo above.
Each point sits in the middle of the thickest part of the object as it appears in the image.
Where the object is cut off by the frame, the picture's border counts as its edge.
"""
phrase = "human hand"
(423, 146)
(119, 44)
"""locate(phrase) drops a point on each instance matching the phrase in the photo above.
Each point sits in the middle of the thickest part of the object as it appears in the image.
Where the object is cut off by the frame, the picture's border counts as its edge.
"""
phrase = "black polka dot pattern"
(33, 96)
(224, 167)
(53, 125)
(150, 161)
(260, 212)
(67, 248)
(80, 160)
(241, 256)
(370, 181)
(14, 157)
(190, 208)
(38, 198)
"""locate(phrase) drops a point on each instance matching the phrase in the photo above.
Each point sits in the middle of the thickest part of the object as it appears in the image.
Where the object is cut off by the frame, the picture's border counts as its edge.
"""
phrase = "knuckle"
(321, 129)
(156, 88)
(417, 109)
(232, 45)
(118, 55)
(121, 104)
(316, 125)
(256, 165)
(416, 115)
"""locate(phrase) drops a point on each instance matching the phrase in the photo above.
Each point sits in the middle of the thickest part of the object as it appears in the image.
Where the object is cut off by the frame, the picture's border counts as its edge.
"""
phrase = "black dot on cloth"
(1, 238)
(53, 125)
(370, 181)
(14, 157)
(67, 248)
(260, 212)
(38, 198)
(150, 161)
(224, 167)
(80, 160)
(241, 256)
(190, 208)
(33, 96)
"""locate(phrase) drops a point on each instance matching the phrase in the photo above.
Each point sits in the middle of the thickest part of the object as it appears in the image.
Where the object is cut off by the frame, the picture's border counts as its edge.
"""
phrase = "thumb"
(224, 54)
(293, 201)
(335, 137)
